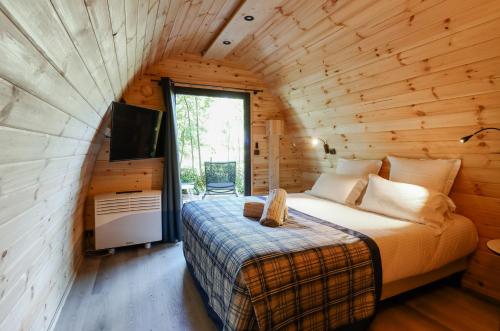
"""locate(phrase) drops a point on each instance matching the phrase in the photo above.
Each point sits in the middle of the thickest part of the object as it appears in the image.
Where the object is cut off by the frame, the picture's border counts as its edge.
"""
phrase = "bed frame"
(406, 284)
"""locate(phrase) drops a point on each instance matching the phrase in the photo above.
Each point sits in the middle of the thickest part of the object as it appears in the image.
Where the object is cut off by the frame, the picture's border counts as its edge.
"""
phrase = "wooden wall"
(147, 174)
(374, 77)
(57, 79)
(62, 63)
(406, 78)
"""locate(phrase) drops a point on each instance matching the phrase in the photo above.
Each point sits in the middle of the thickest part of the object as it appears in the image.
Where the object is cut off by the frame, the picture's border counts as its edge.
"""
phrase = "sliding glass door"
(213, 132)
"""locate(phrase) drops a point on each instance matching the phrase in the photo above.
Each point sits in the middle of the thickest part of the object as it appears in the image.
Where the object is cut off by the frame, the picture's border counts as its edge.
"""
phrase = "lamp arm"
(326, 147)
(323, 141)
(465, 139)
(481, 130)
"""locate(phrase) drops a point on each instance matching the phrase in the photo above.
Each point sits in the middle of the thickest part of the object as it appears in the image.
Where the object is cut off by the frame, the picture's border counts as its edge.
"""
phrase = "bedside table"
(494, 245)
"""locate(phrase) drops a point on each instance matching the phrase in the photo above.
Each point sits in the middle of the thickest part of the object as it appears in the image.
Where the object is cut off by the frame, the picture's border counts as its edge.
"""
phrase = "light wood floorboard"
(140, 289)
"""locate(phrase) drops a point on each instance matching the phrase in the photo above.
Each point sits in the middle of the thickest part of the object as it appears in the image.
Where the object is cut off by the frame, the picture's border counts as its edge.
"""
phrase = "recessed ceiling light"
(249, 18)
(226, 42)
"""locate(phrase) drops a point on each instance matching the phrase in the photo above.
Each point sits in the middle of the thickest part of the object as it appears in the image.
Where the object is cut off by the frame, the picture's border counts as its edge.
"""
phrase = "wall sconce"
(465, 139)
(326, 147)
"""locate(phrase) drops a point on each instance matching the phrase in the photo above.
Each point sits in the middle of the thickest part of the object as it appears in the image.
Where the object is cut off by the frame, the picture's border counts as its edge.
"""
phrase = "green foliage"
(191, 177)
(188, 176)
(192, 112)
(240, 179)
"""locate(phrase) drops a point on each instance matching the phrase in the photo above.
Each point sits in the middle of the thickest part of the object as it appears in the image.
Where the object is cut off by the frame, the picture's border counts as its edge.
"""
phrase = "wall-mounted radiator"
(123, 219)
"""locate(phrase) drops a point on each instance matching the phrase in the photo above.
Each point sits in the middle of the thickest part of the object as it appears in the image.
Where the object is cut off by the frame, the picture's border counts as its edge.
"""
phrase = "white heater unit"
(123, 219)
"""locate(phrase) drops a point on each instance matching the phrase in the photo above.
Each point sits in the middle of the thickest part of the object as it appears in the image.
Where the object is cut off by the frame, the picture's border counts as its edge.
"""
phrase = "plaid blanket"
(308, 274)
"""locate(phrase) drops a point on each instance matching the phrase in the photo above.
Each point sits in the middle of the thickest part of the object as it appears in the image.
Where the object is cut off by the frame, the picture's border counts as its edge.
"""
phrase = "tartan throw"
(308, 274)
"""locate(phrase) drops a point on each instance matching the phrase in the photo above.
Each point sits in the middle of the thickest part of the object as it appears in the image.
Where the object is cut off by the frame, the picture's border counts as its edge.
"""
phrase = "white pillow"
(437, 175)
(339, 188)
(358, 168)
(407, 201)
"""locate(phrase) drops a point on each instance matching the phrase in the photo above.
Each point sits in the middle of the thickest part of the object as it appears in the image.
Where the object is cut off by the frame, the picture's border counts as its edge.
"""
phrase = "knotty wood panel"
(146, 31)
(264, 106)
(63, 62)
(406, 78)
(403, 77)
(55, 89)
(52, 39)
(261, 12)
(145, 92)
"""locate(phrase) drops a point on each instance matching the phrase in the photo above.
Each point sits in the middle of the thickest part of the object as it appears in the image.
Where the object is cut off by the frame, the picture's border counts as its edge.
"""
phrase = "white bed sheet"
(406, 249)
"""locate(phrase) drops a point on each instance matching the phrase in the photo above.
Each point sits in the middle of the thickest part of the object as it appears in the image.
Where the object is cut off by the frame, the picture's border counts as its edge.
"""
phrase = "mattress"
(308, 274)
(406, 248)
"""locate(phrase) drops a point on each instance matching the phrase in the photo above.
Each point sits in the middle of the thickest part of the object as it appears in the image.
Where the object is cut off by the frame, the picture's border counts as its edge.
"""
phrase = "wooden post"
(274, 130)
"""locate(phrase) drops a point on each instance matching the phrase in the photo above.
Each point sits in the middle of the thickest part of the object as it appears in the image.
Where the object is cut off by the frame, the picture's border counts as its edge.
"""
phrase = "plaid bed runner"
(308, 274)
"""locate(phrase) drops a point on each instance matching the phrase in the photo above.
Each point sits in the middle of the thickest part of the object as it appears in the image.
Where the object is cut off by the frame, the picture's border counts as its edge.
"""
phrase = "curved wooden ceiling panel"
(371, 76)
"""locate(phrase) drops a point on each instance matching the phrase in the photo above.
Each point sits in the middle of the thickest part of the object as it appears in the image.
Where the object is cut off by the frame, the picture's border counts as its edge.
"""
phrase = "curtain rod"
(214, 86)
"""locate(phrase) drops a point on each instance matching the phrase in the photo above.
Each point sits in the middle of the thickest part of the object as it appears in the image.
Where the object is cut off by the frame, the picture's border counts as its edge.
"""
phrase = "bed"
(327, 267)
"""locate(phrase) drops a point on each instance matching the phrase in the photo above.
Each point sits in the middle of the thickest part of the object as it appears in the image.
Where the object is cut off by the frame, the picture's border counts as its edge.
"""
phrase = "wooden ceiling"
(100, 45)
(373, 77)
(293, 43)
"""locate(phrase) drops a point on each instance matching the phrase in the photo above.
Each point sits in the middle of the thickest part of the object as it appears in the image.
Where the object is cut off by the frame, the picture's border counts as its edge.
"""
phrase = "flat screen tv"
(136, 133)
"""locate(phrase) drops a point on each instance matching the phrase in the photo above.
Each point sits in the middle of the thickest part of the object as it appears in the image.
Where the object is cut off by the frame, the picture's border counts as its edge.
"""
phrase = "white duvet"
(406, 248)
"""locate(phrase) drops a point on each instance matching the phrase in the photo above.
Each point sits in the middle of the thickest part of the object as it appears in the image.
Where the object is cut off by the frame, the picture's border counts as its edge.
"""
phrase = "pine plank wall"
(50, 110)
(145, 92)
(373, 77)
(406, 78)
(62, 63)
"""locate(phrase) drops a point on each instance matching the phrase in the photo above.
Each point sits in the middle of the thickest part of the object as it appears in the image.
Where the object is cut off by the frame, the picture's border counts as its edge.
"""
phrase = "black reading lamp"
(326, 147)
(465, 139)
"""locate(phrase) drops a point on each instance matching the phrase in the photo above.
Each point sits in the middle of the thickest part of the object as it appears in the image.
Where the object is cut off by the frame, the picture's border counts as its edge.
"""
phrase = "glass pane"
(210, 129)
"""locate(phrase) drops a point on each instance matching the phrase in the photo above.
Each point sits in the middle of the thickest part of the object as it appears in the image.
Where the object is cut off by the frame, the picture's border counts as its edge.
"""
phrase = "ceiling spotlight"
(226, 42)
(249, 18)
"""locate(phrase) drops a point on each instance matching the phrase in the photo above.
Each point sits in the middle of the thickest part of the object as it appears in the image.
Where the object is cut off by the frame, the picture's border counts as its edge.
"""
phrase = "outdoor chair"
(220, 178)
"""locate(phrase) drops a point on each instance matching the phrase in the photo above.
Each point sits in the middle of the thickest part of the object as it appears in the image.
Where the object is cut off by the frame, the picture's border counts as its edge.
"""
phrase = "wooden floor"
(140, 289)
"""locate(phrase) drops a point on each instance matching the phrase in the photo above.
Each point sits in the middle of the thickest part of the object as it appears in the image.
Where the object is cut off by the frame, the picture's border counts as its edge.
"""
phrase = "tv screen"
(136, 133)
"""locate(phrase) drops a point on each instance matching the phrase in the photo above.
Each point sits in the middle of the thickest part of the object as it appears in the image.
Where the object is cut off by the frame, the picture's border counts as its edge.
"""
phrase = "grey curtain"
(171, 195)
